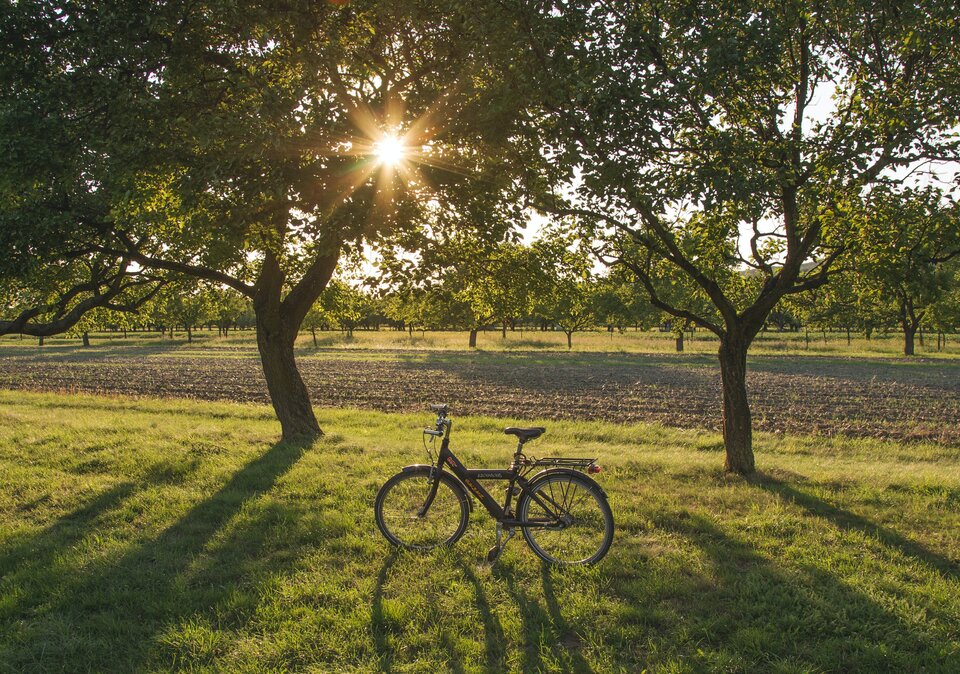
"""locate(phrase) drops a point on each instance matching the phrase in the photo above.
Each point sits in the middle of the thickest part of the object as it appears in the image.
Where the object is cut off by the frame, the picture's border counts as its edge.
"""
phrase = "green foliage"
(216, 139)
(567, 296)
(905, 240)
(696, 146)
(344, 305)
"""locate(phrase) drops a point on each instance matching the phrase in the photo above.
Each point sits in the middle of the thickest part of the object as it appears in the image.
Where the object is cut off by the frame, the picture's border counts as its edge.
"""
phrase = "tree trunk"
(86, 338)
(680, 343)
(288, 393)
(503, 330)
(737, 425)
(848, 336)
(570, 341)
(278, 324)
(313, 331)
(189, 335)
(40, 341)
(473, 338)
(909, 332)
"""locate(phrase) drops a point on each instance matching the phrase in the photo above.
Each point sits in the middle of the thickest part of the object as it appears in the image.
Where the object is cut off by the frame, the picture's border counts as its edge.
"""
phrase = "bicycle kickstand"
(494, 553)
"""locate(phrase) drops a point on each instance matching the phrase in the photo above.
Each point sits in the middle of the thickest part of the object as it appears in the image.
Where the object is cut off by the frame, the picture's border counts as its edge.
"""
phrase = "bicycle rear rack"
(562, 462)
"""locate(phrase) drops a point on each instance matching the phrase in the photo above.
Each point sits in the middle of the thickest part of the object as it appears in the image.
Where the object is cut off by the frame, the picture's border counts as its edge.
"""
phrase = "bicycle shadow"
(383, 626)
(538, 621)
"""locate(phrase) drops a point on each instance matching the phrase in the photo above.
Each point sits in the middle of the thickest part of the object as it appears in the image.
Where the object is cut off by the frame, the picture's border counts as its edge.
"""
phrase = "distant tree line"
(899, 278)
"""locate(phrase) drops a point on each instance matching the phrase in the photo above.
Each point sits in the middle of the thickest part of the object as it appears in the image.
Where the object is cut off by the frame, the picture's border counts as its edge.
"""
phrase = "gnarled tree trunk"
(473, 338)
(278, 323)
(737, 426)
(288, 393)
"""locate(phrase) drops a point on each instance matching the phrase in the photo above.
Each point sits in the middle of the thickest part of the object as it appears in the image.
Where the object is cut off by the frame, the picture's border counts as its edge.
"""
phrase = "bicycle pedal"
(494, 553)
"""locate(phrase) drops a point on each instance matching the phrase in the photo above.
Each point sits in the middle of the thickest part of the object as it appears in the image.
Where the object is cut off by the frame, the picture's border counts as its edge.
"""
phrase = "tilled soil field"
(856, 397)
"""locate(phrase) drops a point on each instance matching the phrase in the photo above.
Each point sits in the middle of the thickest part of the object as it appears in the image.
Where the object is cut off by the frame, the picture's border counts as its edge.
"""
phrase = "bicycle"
(562, 512)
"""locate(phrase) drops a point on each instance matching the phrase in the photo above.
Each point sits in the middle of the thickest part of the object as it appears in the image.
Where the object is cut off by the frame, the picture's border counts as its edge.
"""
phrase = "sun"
(389, 150)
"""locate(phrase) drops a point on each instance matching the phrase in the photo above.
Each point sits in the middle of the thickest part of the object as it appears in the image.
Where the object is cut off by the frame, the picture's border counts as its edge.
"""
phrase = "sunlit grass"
(156, 535)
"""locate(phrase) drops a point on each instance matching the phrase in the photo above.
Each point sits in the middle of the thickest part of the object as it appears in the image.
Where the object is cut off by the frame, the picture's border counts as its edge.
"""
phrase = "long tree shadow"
(37, 550)
(848, 521)
(796, 616)
(108, 616)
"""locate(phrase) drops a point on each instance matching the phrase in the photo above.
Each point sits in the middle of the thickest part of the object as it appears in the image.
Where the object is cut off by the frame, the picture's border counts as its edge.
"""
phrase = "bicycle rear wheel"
(399, 504)
(566, 519)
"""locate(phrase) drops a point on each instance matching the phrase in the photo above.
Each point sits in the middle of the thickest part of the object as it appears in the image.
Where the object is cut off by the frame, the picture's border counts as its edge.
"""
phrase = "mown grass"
(156, 535)
(888, 345)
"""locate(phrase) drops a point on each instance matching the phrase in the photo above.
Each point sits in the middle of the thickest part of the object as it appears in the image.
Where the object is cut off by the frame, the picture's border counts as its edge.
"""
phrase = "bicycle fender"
(443, 475)
(416, 466)
(566, 471)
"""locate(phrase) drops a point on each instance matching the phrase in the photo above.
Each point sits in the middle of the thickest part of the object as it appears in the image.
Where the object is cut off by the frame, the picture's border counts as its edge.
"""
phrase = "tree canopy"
(718, 138)
(236, 144)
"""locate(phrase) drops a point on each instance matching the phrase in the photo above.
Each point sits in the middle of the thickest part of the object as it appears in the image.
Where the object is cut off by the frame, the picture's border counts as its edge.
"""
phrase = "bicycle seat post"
(517, 455)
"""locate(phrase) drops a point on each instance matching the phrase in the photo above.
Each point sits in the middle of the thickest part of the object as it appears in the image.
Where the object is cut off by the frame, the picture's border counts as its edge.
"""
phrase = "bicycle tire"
(589, 534)
(402, 496)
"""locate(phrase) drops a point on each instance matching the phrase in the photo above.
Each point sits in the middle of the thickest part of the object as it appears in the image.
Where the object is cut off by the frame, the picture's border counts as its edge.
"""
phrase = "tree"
(226, 307)
(944, 315)
(345, 304)
(410, 307)
(475, 278)
(315, 319)
(566, 296)
(904, 241)
(677, 133)
(187, 305)
(236, 144)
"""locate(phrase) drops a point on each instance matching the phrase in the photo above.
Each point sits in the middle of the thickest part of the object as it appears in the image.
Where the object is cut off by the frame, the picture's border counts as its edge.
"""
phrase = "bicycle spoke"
(583, 537)
(399, 512)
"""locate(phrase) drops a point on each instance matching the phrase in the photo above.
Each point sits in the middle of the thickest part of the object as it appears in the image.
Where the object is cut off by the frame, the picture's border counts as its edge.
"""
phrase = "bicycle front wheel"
(401, 516)
(566, 519)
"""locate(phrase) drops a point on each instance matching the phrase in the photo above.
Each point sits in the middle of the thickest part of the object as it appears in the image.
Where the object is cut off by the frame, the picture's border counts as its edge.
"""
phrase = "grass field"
(156, 535)
(629, 341)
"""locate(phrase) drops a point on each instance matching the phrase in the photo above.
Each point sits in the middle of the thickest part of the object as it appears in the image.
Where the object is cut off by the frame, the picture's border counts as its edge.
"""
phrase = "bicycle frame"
(470, 478)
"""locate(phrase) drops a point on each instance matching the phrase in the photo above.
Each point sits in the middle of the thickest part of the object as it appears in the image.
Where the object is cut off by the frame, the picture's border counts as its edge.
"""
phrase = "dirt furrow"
(788, 395)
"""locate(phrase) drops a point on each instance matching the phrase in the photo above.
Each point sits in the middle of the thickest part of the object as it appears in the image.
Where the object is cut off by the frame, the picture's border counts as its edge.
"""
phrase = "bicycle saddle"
(524, 434)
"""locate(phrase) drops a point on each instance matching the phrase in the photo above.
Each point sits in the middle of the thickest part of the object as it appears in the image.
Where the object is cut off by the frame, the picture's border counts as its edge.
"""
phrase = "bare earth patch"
(896, 399)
